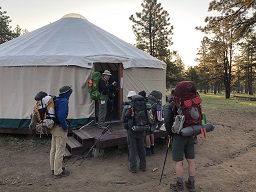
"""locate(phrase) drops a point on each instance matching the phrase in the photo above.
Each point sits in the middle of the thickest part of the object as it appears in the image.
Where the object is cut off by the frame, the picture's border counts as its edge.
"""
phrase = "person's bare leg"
(191, 167)
(179, 169)
(148, 152)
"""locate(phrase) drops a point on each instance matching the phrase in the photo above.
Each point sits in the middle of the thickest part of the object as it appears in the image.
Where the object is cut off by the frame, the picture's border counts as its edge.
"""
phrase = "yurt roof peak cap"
(74, 15)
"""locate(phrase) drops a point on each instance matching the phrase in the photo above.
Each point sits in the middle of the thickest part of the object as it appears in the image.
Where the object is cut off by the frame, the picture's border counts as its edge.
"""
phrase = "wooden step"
(119, 137)
(84, 138)
(74, 146)
(114, 138)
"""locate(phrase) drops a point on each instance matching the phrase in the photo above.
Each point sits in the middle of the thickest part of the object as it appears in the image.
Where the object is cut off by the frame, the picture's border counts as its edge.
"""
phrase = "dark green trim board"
(24, 123)
(14, 123)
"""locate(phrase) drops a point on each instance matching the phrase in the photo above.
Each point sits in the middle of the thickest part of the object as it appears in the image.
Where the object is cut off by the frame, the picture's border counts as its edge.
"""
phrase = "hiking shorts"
(149, 131)
(182, 146)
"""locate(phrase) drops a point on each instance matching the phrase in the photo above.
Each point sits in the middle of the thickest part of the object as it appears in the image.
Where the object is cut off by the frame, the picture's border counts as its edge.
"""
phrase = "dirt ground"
(225, 162)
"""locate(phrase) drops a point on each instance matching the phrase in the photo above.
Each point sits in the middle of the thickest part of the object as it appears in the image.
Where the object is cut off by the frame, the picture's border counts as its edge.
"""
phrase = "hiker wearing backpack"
(43, 116)
(105, 91)
(126, 106)
(149, 134)
(60, 133)
(134, 116)
(154, 99)
(183, 111)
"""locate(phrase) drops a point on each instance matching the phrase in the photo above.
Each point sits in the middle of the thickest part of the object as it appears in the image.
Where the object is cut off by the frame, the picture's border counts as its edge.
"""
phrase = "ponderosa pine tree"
(153, 30)
(224, 29)
(243, 11)
(6, 32)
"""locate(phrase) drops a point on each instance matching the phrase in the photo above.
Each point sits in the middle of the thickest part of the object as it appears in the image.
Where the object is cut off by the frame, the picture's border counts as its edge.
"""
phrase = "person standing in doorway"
(104, 89)
(60, 133)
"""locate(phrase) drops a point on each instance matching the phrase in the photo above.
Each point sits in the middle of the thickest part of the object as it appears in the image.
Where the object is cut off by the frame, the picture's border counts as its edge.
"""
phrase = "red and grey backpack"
(188, 103)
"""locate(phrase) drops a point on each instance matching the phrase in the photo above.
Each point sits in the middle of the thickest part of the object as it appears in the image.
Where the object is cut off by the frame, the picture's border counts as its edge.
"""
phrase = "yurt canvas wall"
(19, 85)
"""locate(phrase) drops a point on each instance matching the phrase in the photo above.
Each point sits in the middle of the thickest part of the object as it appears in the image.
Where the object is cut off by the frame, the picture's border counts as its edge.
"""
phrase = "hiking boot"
(133, 170)
(63, 169)
(152, 149)
(148, 151)
(62, 174)
(103, 126)
(142, 169)
(177, 187)
(190, 185)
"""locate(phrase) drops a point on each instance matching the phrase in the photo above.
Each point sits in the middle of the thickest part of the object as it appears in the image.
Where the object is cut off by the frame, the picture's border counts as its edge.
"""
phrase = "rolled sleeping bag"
(140, 128)
(196, 129)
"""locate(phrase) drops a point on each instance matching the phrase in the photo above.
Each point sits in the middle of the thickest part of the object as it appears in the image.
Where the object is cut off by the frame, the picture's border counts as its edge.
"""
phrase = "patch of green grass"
(23, 140)
(220, 102)
(242, 94)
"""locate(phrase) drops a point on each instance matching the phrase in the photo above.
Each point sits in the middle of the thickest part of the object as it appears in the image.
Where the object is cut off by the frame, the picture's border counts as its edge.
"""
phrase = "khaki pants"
(58, 146)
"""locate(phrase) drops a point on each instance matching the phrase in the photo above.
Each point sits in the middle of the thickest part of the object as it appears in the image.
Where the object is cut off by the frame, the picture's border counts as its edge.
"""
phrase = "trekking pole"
(86, 125)
(168, 146)
(95, 143)
(112, 109)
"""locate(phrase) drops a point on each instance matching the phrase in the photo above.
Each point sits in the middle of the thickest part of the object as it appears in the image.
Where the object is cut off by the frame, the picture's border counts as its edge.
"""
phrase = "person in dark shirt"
(104, 89)
(135, 139)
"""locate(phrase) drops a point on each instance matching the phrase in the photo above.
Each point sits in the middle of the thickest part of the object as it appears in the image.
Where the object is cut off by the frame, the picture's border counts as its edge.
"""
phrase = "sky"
(113, 16)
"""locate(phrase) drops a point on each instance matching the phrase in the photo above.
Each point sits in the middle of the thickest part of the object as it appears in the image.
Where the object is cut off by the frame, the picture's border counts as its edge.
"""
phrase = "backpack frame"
(44, 112)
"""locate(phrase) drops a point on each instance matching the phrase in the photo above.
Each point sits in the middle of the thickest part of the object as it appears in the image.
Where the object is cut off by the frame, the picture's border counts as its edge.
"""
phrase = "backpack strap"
(43, 107)
(194, 132)
(132, 109)
(104, 89)
(36, 111)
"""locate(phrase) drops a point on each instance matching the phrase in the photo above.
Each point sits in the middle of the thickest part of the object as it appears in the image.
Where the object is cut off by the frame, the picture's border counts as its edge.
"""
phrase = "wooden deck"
(82, 140)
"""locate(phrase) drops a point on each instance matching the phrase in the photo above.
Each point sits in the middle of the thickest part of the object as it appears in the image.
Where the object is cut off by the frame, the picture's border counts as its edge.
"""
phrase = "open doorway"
(114, 106)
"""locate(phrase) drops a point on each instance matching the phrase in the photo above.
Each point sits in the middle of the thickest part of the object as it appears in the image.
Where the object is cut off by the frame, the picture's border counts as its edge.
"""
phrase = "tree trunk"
(250, 74)
(219, 88)
(226, 77)
(215, 88)
(238, 81)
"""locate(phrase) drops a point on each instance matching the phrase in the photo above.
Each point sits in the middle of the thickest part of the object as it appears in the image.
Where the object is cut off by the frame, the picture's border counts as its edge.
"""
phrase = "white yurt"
(66, 52)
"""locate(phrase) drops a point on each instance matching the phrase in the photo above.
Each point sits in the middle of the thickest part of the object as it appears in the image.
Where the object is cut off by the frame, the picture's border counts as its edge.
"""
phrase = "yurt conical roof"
(73, 40)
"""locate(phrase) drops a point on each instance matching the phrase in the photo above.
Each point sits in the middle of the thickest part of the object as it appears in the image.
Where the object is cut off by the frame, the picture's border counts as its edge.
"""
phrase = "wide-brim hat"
(64, 89)
(131, 93)
(107, 72)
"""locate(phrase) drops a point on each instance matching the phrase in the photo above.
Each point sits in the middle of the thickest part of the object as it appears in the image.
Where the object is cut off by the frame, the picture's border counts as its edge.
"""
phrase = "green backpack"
(93, 85)
(154, 96)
